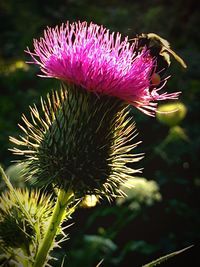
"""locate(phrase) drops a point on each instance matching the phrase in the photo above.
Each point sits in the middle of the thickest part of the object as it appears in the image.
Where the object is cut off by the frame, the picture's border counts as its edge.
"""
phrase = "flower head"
(99, 61)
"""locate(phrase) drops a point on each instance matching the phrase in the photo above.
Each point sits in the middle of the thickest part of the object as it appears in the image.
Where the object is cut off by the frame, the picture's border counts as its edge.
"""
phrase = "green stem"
(58, 216)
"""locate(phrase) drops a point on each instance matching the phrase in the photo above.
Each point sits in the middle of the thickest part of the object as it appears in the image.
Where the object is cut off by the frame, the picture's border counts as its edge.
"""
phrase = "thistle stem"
(57, 218)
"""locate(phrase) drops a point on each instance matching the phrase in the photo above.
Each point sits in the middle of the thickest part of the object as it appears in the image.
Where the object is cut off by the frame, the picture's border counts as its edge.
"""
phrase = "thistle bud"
(171, 114)
(79, 141)
(21, 230)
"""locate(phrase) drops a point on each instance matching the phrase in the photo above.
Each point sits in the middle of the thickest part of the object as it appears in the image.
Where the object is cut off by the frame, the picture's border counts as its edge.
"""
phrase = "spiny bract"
(80, 141)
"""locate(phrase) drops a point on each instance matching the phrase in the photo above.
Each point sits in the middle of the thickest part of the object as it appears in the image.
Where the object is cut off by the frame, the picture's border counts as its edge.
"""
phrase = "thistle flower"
(100, 62)
(83, 137)
(21, 231)
(79, 141)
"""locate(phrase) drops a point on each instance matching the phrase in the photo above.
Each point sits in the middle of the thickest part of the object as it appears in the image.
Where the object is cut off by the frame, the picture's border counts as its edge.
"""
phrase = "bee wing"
(171, 52)
(156, 37)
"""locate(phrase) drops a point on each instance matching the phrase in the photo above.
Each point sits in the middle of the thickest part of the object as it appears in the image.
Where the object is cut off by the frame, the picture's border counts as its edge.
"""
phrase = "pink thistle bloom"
(99, 61)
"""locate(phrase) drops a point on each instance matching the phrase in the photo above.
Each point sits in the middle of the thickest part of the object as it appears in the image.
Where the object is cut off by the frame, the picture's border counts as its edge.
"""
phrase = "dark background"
(123, 237)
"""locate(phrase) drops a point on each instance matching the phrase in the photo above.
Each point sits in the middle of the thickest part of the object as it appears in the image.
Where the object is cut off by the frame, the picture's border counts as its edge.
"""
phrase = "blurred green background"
(162, 213)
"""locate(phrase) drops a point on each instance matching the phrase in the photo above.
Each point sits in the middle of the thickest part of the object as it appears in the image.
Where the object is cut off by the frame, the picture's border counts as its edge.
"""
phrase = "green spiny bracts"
(79, 140)
(21, 231)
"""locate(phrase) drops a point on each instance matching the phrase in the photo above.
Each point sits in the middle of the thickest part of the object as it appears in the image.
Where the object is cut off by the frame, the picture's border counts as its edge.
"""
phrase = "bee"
(159, 48)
